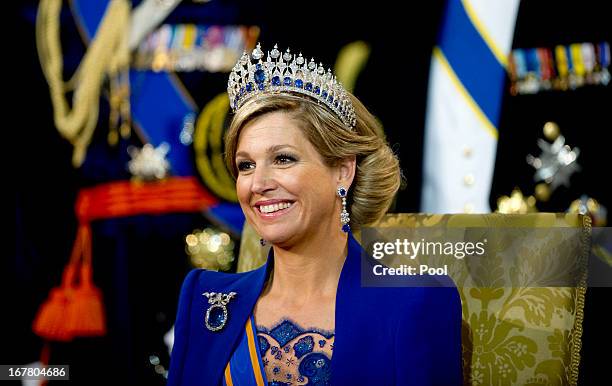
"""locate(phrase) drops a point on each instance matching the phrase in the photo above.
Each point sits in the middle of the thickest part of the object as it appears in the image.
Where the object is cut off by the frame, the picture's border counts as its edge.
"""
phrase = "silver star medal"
(556, 163)
(216, 315)
(149, 163)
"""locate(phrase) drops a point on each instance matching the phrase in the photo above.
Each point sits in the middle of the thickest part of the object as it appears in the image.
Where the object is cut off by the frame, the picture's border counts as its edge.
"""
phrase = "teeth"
(274, 207)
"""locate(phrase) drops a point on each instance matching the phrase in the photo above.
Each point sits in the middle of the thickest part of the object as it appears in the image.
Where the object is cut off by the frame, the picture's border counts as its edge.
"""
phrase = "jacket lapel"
(347, 296)
(219, 345)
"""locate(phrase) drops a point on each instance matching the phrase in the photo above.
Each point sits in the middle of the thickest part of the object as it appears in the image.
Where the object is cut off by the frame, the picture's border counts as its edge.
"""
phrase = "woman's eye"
(284, 159)
(244, 165)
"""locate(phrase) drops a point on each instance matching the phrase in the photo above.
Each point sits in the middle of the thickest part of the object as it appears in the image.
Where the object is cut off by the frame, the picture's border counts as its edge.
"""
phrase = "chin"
(277, 236)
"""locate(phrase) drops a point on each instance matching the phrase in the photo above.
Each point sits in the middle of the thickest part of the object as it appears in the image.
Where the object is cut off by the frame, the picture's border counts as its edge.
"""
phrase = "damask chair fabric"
(516, 331)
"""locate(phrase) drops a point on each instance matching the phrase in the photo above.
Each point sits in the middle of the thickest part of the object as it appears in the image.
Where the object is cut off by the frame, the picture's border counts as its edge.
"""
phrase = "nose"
(263, 180)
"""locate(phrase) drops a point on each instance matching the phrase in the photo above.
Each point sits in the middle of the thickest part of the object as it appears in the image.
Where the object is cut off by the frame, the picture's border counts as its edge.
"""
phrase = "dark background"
(141, 291)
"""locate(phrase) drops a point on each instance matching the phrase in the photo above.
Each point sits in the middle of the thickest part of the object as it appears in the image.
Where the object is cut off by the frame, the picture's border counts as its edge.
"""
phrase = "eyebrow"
(271, 149)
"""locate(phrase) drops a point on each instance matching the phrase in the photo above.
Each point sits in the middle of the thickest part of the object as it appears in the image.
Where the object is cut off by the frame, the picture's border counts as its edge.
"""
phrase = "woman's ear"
(346, 171)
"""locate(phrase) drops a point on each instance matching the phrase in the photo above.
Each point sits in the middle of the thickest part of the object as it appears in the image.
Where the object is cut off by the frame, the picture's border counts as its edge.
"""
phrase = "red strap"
(125, 198)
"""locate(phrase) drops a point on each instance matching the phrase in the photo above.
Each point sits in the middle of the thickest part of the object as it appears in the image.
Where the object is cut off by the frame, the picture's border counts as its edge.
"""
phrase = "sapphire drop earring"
(344, 215)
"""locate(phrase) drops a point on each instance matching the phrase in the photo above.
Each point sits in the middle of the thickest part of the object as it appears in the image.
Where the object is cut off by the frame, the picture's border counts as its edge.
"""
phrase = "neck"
(309, 271)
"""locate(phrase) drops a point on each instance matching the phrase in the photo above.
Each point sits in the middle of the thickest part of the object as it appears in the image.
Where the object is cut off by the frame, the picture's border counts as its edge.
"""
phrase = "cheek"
(243, 192)
(317, 186)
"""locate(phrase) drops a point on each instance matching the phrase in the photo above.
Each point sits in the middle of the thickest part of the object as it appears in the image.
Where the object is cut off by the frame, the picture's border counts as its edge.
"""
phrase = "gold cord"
(107, 56)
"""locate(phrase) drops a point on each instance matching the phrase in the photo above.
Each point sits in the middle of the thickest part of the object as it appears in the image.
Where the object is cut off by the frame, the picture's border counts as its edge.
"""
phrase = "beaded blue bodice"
(293, 355)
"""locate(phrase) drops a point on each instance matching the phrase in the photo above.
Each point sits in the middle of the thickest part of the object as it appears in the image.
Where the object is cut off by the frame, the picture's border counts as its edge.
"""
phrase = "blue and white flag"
(466, 83)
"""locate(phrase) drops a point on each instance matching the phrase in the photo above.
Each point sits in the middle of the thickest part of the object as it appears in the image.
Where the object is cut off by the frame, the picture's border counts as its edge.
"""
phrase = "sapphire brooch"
(216, 314)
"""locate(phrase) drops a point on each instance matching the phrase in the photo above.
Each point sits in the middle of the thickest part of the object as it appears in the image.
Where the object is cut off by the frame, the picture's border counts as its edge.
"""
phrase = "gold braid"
(107, 55)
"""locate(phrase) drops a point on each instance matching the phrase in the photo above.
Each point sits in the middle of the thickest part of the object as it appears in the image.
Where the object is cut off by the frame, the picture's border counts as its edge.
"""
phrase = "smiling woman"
(311, 165)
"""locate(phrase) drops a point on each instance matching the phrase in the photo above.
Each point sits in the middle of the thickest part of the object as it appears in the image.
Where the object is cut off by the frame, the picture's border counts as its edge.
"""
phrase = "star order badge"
(556, 163)
(149, 163)
(217, 315)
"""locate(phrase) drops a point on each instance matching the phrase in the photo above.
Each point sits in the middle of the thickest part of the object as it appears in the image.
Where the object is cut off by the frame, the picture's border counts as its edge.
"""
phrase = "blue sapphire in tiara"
(287, 81)
(317, 90)
(276, 81)
(299, 83)
(260, 76)
(249, 87)
(308, 86)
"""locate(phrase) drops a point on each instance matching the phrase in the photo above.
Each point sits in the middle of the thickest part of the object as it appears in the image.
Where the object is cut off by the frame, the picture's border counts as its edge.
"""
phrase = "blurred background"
(118, 109)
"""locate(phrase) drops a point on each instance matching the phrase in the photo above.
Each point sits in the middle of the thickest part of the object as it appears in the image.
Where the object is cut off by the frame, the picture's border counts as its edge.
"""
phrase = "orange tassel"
(85, 316)
(50, 320)
(73, 310)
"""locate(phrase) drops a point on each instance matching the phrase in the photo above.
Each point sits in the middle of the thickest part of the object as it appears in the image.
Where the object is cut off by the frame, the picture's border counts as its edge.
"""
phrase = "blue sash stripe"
(241, 365)
(472, 60)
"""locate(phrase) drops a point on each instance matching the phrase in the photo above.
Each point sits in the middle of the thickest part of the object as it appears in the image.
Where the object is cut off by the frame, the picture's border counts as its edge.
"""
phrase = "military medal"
(216, 314)
(193, 47)
(576, 65)
(544, 56)
(603, 61)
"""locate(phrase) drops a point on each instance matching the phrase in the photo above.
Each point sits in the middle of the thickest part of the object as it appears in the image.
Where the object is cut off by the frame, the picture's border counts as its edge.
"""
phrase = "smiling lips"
(273, 209)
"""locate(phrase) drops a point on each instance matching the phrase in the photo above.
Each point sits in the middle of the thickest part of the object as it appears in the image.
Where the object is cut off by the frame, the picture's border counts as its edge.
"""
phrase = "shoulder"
(426, 296)
(199, 278)
(402, 294)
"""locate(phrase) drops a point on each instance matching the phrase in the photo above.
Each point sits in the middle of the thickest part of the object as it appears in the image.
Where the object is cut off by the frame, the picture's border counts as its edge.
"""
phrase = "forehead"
(271, 129)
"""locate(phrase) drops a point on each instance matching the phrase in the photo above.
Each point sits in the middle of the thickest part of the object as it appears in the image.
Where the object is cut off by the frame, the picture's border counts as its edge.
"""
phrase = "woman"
(310, 164)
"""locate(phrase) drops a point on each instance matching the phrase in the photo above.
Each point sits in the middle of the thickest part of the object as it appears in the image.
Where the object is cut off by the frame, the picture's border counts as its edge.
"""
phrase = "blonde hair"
(377, 174)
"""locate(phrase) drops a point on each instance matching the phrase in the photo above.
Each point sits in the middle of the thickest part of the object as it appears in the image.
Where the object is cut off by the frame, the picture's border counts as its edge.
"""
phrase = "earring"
(344, 215)
(262, 242)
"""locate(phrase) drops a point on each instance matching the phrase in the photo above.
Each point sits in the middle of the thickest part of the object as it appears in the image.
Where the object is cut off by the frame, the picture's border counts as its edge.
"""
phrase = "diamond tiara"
(287, 73)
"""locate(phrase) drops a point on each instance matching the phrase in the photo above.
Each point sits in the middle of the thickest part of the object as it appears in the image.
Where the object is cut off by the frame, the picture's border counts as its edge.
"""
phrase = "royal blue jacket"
(383, 335)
